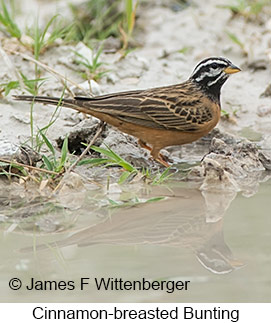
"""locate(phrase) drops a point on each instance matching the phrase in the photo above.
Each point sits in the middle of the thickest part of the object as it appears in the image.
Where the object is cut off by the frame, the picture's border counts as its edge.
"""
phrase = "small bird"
(164, 116)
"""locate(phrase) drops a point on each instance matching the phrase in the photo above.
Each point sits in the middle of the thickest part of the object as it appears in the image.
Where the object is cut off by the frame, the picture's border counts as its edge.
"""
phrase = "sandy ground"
(164, 32)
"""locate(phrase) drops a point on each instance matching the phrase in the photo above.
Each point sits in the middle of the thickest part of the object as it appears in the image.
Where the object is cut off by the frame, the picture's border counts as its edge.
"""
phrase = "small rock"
(132, 66)
(264, 110)
(231, 167)
(258, 64)
(265, 161)
(82, 133)
(216, 178)
(112, 78)
(267, 92)
(8, 149)
(229, 139)
(21, 154)
(89, 86)
(111, 44)
(21, 118)
(27, 40)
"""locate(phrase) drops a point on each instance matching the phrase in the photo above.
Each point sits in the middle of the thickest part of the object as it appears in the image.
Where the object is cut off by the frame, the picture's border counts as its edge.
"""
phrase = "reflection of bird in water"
(179, 221)
(216, 256)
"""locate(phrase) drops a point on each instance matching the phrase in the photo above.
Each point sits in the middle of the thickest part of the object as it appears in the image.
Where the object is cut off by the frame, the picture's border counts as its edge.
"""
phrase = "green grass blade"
(107, 152)
(64, 152)
(59, 32)
(46, 30)
(124, 176)
(113, 203)
(115, 157)
(10, 86)
(47, 163)
(48, 143)
(235, 39)
(124, 164)
(130, 16)
(155, 199)
(94, 161)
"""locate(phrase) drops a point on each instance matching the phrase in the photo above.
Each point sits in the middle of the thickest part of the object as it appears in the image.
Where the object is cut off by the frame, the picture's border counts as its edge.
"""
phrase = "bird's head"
(211, 73)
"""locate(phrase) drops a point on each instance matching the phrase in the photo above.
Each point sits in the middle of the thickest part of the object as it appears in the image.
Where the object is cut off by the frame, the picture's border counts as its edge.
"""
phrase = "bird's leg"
(156, 155)
(144, 145)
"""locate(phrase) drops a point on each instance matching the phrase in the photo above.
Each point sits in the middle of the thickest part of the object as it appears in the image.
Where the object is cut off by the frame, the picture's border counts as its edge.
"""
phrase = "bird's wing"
(181, 108)
(185, 115)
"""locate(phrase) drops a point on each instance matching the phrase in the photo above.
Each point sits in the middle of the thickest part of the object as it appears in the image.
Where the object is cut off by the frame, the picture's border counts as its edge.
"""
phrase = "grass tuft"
(8, 22)
(130, 172)
(94, 69)
(97, 19)
(52, 163)
(246, 8)
(30, 85)
(113, 159)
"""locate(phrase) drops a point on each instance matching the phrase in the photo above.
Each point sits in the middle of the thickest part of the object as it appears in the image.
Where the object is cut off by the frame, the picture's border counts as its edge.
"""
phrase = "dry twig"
(10, 162)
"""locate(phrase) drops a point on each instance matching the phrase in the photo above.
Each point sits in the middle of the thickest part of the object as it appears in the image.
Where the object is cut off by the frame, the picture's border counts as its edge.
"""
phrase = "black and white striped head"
(211, 73)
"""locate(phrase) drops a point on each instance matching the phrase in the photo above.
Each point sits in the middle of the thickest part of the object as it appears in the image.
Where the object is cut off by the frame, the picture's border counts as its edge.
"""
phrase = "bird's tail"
(80, 104)
(69, 103)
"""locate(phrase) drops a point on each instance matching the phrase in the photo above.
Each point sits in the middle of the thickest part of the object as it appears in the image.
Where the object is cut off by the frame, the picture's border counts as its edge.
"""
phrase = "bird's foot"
(162, 160)
(156, 155)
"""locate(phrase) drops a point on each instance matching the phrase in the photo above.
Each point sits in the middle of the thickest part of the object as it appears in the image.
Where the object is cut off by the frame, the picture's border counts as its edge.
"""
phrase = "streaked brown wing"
(167, 107)
(183, 107)
(183, 116)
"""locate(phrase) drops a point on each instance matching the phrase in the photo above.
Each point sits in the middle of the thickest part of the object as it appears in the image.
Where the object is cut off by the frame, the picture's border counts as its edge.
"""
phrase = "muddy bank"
(171, 41)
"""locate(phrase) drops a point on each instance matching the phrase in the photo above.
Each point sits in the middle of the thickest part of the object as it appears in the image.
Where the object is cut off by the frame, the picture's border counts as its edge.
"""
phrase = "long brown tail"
(70, 103)
(81, 104)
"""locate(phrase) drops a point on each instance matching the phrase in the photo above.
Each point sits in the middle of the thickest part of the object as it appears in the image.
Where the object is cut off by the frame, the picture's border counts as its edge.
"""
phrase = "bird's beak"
(232, 69)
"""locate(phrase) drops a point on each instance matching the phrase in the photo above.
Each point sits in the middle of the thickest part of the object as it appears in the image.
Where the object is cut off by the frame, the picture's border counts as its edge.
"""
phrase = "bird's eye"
(214, 66)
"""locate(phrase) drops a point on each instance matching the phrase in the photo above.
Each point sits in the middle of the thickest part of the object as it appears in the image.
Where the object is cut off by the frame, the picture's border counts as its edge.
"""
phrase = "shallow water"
(219, 242)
